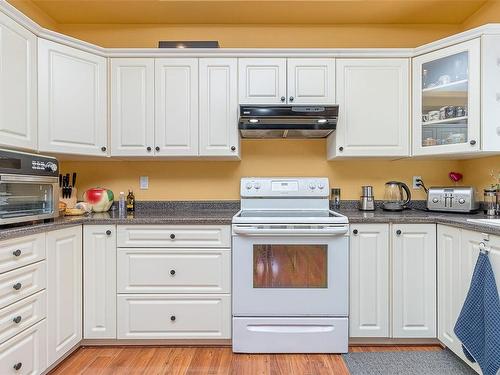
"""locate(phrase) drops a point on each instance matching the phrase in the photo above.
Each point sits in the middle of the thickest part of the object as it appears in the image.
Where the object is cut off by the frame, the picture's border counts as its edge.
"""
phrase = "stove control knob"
(321, 186)
(248, 185)
(461, 201)
(256, 185)
(51, 167)
(435, 200)
(312, 186)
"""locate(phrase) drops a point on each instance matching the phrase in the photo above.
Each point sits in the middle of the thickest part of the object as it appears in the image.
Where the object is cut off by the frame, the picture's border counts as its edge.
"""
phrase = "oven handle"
(324, 231)
(27, 179)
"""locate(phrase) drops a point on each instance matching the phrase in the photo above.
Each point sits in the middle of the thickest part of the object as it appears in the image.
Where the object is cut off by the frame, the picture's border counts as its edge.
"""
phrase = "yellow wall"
(247, 36)
(178, 180)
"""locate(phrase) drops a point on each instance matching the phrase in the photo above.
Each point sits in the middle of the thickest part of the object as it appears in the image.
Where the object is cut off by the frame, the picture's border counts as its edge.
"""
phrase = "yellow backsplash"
(199, 180)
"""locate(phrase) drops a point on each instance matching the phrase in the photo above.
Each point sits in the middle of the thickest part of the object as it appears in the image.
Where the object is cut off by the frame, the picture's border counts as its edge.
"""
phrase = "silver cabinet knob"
(283, 98)
(17, 319)
(291, 98)
(18, 366)
(17, 253)
(17, 286)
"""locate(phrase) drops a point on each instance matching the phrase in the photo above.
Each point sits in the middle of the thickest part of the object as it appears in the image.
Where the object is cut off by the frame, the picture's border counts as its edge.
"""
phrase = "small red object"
(455, 176)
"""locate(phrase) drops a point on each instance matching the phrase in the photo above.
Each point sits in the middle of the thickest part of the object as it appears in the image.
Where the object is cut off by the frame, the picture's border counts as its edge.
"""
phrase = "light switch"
(144, 182)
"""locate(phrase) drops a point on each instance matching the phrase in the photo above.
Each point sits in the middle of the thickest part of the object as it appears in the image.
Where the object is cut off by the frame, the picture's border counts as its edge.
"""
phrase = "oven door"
(27, 198)
(290, 270)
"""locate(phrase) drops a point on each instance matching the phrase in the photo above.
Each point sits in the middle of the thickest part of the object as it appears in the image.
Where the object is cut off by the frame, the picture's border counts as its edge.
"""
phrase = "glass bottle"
(122, 209)
(130, 201)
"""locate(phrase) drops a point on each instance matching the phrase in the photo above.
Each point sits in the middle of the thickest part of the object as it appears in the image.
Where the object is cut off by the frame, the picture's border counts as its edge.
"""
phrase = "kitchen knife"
(74, 180)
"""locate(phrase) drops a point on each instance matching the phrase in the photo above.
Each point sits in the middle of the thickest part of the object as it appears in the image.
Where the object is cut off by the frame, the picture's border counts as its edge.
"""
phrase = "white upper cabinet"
(72, 100)
(262, 80)
(219, 107)
(132, 106)
(176, 109)
(414, 281)
(369, 281)
(287, 81)
(447, 100)
(374, 109)
(18, 86)
(311, 81)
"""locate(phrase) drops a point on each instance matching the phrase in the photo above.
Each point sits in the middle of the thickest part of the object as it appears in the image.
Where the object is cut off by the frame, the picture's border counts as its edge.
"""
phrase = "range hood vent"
(287, 121)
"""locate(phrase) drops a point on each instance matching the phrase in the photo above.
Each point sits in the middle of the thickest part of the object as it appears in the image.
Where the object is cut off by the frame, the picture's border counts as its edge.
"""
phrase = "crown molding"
(18, 16)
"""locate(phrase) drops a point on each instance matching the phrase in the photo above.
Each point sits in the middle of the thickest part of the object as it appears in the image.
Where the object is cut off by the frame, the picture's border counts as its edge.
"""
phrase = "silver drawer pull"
(17, 319)
(17, 253)
(18, 366)
(17, 286)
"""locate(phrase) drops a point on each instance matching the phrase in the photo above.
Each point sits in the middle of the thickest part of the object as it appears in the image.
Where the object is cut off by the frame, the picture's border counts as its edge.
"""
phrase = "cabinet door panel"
(18, 86)
(176, 119)
(262, 81)
(64, 291)
(311, 81)
(414, 280)
(374, 112)
(449, 294)
(219, 107)
(99, 277)
(132, 106)
(72, 98)
(369, 285)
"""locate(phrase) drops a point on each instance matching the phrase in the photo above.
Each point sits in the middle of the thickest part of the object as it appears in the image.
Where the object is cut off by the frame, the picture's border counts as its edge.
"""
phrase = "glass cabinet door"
(447, 100)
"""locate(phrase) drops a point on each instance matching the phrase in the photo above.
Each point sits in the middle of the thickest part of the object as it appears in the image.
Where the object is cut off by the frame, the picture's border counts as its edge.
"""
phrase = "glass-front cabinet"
(446, 103)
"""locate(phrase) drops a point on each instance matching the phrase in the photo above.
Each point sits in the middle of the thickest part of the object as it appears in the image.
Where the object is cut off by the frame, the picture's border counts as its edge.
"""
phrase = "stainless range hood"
(287, 121)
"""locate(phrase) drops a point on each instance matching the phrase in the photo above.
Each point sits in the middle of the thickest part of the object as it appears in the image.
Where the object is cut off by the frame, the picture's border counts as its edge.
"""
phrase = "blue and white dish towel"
(478, 325)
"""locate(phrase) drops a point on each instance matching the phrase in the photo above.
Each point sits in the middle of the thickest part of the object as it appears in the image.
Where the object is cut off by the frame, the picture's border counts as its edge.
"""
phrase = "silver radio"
(452, 199)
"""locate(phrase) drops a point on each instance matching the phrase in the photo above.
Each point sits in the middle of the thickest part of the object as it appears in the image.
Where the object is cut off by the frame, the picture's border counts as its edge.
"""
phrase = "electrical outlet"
(144, 182)
(415, 185)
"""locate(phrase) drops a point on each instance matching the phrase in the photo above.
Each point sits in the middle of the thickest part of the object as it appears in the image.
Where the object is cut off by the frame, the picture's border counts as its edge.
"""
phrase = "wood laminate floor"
(207, 360)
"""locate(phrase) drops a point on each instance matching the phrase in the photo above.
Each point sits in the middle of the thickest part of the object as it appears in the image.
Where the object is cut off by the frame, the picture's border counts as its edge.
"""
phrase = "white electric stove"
(290, 268)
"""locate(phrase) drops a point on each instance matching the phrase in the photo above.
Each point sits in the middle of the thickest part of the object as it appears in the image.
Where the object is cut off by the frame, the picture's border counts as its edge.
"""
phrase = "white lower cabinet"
(393, 281)
(99, 282)
(369, 281)
(458, 250)
(174, 282)
(25, 353)
(414, 280)
(64, 291)
(173, 316)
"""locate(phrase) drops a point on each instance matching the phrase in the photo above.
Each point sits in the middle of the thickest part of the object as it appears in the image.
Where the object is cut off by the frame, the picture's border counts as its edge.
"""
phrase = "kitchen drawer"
(22, 314)
(28, 351)
(174, 270)
(28, 279)
(174, 316)
(174, 236)
(19, 252)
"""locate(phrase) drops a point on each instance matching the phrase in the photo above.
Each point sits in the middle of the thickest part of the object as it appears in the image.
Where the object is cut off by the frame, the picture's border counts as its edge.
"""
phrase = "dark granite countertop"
(221, 213)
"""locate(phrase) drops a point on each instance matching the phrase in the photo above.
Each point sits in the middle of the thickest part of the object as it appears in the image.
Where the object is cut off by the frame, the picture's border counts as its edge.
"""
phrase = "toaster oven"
(452, 199)
(29, 188)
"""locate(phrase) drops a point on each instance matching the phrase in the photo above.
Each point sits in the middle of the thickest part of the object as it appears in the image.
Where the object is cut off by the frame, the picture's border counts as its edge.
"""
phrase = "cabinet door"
(449, 294)
(369, 281)
(414, 280)
(99, 276)
(132, 106)
(262, 81)
(176, 96)
(219, 107)
(72, 100)
(64, 291)
(311, 81)
(18, 86)
(446, 94)
(374, 108)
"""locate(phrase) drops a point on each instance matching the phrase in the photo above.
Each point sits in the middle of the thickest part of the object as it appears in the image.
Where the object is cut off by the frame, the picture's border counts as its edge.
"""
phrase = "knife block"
(71, 201)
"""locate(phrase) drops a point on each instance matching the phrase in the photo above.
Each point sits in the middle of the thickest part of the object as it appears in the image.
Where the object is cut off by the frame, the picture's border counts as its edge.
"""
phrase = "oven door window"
(18, 199)
(290, 266)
